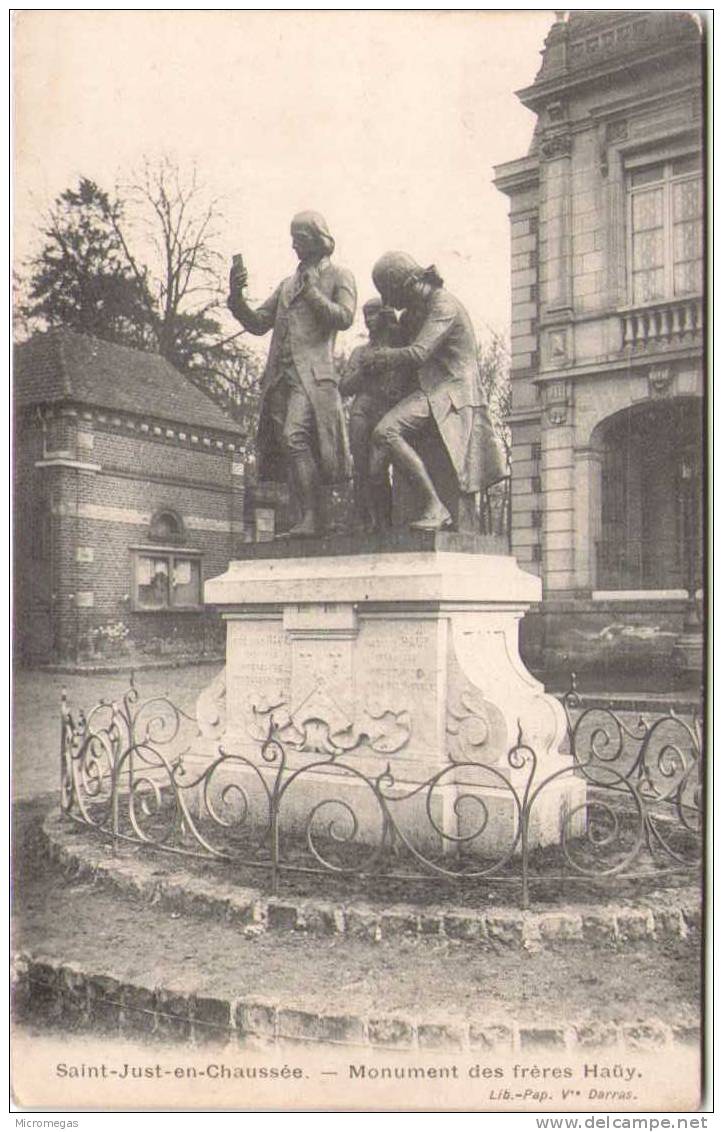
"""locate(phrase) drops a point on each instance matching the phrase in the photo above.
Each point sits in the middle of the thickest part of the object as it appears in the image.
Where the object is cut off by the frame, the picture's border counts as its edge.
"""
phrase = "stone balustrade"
(662, 324)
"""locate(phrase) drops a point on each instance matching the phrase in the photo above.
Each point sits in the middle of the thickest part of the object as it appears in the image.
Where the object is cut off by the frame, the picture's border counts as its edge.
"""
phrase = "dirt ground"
(110, 934)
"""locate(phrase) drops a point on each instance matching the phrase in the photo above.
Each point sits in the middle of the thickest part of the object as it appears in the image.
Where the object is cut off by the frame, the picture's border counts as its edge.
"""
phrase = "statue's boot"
(435, 516)
(306, 483)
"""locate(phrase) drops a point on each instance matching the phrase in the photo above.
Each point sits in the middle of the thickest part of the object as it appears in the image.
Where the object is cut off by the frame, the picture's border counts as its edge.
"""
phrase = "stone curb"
(496, 929)
(49, 991)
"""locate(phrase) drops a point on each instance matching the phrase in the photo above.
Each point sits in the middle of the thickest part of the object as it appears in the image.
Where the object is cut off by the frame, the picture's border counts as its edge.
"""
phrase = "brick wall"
(100, 481)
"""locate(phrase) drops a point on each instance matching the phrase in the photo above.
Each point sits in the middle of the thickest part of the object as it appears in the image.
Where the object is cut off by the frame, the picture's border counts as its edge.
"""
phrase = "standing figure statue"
(374, 394)
(301, 435)
(441, 345)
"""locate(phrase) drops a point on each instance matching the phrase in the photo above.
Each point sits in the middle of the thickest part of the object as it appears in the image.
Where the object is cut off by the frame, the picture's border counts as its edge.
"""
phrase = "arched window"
(166, 527)
(652, 498)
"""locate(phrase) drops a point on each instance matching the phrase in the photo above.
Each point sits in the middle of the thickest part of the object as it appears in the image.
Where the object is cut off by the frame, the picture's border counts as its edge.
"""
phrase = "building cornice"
(603, 367)
(635, 103)
(575, 77)
(524, 416)
(515, 176)
(147, 427)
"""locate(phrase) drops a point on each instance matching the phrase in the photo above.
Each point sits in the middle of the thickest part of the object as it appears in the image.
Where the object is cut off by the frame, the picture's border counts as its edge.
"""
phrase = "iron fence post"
(525, 863)
(274, 845)
(114, 808)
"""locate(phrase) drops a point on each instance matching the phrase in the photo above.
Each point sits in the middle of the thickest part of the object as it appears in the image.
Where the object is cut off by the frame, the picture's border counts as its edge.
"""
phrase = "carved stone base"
(404, 666)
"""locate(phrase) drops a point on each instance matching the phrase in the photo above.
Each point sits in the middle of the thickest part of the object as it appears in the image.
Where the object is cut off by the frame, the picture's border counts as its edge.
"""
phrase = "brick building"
(128, 493)
(606, 213)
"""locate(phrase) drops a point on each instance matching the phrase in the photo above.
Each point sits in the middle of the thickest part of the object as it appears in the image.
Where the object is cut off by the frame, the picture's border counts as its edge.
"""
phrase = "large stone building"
(128, 493)
(607, 220)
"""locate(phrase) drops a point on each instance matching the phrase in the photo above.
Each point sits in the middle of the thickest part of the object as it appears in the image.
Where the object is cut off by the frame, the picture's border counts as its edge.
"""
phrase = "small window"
(162, 580)
(536, 518)
(536, 485)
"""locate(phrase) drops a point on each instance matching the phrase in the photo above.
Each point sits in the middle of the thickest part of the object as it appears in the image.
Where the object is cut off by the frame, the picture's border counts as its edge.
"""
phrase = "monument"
(385, 663)
(376, 388)
(448, 402)
(301, 435)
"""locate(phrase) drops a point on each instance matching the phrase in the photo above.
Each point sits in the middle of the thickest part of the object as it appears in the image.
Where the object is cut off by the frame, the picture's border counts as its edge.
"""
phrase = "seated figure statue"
(374, 394)
(439, 343)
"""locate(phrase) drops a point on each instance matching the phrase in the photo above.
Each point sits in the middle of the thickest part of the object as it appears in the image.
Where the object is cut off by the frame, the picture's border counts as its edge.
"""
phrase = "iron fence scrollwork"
(126, 773)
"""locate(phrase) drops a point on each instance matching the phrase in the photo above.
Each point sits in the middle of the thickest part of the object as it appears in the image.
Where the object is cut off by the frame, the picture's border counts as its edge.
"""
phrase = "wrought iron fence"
(126, 773)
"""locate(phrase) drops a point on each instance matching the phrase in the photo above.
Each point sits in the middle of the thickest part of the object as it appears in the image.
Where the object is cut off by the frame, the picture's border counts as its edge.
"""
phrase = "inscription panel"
(259, 668)
(400, 666)
(388, 682)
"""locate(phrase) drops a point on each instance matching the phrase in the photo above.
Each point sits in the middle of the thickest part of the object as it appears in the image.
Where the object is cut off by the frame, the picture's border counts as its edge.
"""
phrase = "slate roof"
(64, 366)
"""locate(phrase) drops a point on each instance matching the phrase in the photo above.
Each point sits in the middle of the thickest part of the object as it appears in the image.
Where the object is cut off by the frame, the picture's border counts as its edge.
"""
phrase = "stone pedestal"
(402, 663)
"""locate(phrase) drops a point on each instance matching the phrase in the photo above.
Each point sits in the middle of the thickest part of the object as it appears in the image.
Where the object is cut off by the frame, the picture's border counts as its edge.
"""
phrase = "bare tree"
(166, 225)
(139, 267)
(232, 377)
(494, 362)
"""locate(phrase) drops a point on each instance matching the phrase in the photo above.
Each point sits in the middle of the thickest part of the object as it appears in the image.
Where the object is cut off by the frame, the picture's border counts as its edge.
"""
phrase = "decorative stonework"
(474, 726)
(556, 145)
(617, 130)
(557, 402)
(319, 725)
(406, 672)
(557, 414)
(557, 347)
(557, 112)
(609, 42)
(660, 380)
(148, 426)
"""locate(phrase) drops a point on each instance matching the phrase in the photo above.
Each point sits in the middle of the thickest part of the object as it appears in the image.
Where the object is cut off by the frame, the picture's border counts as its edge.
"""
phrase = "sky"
(388, 123)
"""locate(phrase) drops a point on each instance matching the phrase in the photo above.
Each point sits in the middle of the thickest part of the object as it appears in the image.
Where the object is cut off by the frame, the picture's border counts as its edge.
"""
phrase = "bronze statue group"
(418, 375)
